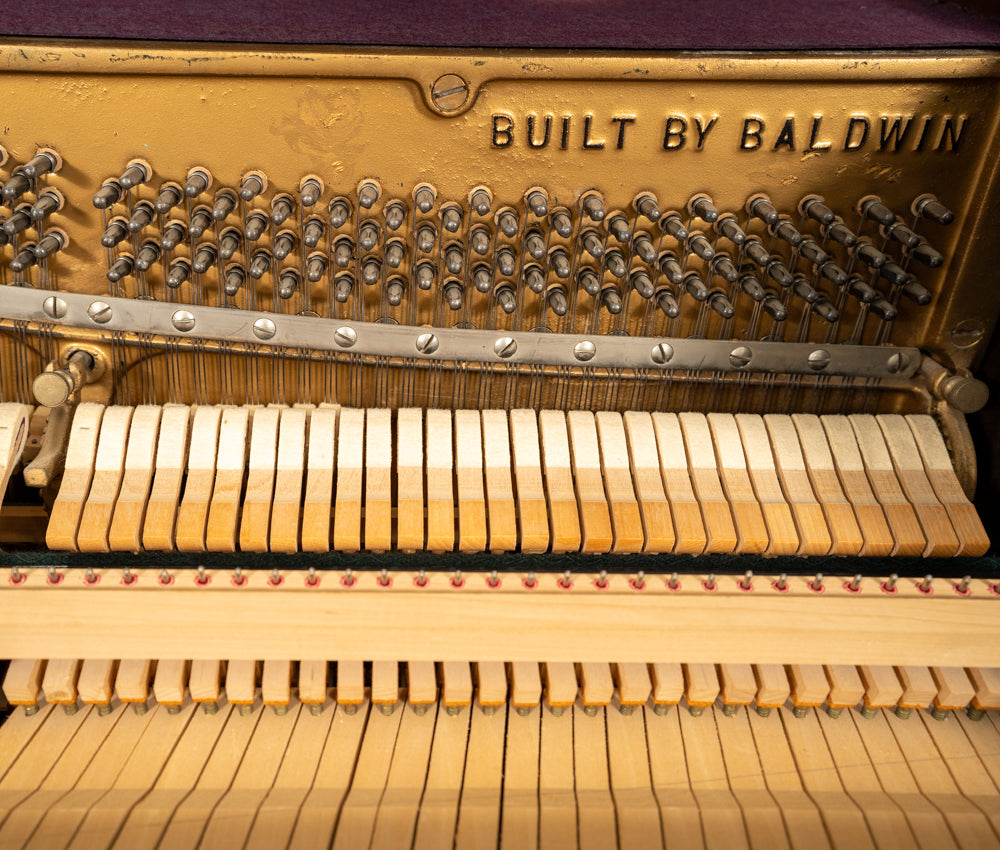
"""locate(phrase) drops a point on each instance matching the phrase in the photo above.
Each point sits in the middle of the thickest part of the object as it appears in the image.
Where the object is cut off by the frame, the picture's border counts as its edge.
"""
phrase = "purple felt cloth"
(622, 24)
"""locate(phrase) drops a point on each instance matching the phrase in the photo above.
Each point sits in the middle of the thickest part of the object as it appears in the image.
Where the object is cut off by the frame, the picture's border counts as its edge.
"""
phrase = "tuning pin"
(24, 259)
(506, 262)
(255, 227)
(425, 275)
(310, 191)
(148, 254)
(142, 216)
(288, 284)
(755, 250)
(927, 255)
(481, 278)
(235, 278)
(260, 264)
(894, 274)
(825, 310)
(646, 205)
(368, 194)
(43, 162)
(340, 212)
(534, 244)
(201, 220)
(538, 203)
(700, 246)
(902, 234)
(927, 206)
(870, 255)
(556, 297)
(395, 215)
(394, 290)
(916, 293)
(861, 289)
(121, 267)
(136, 174)
(46, 203)
(671, 268)
(394, 253)
(614, 262)
(454, 258)
(225, 203)
(721, 304)
(252, 185)
(173, 234)
(588, 282)
(480, 240)
(873, 208)
(19, 221)
(619, 229)
(804, 289)
(506, 298)
(644, 248)
(198, 181)
(786, 231)
(592, 244)
(593, 207)
(641, 283)
(229, 243)
(453, 295)
(813, 206)
(49, 244)
(751, 286)
(762, 208)
(779, 273)
(883, 309)
(108, 195)
(833, 273)
(481, 200)
(169, 197)
(16, 186)
(700, 206)
(368, 237)
(424, 198)
(281, 209)
(811, 250)
(695, 286)
(180, 269)
(562, 223)
(839, 232)
(114, 233)
(721, 265)
(611, 299)
(425, 238)
(343, 285)
(313, 233)
(774, 308)
(204, 259)
(559, 261)
(729, 227)
(315, 267)
(507, 222)
(667, 303)
(534, 278)
(451, 218)
(371, 271)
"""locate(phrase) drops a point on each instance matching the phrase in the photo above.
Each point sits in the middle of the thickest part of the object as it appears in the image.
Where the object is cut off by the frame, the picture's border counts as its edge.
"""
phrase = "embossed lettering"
(588, 143)
(564, 142)
(851, 141)
(786, 138)
(503, 131)
(704, 131)
(813, 144)
(950, 137)
(623, 122)
(894, 133)
(753, 134)
(674, 134)
(531, 132)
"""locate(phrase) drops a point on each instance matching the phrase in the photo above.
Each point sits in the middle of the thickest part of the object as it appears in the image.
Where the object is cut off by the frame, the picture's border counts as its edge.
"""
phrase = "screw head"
(54, 307)
(740, 356)
(505, 347)
(449, 92)
(427, 343)
(584, 351)
(662, 353)
(819, 359)
(264, 329)
(345, 337)
(100, 312)
(897, 363)
(183, 320)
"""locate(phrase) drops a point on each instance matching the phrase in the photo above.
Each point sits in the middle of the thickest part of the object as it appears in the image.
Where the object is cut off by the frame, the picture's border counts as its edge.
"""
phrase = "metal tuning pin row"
(28, 229)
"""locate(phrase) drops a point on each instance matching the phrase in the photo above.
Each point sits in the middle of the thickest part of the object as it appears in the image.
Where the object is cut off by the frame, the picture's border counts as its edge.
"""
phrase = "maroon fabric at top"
(595, 24)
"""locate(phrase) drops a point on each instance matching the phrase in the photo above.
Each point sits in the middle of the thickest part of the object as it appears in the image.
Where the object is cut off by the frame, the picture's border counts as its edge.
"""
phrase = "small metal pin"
(640, 580)
(535, 279)
(54, 577)
(593, 206)
(316, 267)
(535, 245)
(169, 197)
(602, 579)
(235, 278)
(494, 579)
(530, 581)
(288, 284)
(660, 708)
(453, 295)
(567, 579)
(782, 582)
(251, 186)
(507, 222)
(873, 208)
(25, 259)
(368, 194)
(817, 583)
(799, 711)
(281, 209)
(108, 195)
(135, 175)
(340, 212)
(481, 241)
(201, 220)
(538, 203)
(614, 262)
(246, 709)
(387, 708)
(210, 707)
(890, 585)
(91, 576)
(710, 583)
(697, 243)
(927, 206)
(198, 181)
(747, 582)
(938, 713)
(31, 710)
(591, 710)
(974, 713)
(383, 578)
(127, 577)
(260, 264)
(646, 205)
(368, 237)
(114, 233)
(41, 163)
(316, 708)
(395, 215)
(424, 198)
(763, 711)
(701, 206)
(71, 708)
(204, 259)
(833, 712)
(165, 577)
(674, 582)
(963, 586)
(371, 271)
(560, 263)
(281, 709)
(255, 227)
(275, 576)
(310, 192)
(612, 300)
(729, 710)
(556, 710)
(451, 219)
(311, 578)
(238, 575)
(855, 584)
(562, 223)
(47, 203)
(349, 709)
(148, 254)
(284, 244)
(225, 203)
(349, 577)
(642, 284)
(903, 712)
(481, 202)
(696, 710)
(867, 712)
(19, 221)
(202, 578)
(122, 267)
(173, 234)
(180, 270)
(15, 575)
(456, 579)
(589, 283)
(619, 229)
(925, 585)
(421, 580)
